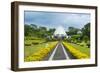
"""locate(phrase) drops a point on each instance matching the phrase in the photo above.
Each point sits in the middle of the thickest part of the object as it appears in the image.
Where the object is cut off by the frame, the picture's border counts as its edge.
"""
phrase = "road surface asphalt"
(59, 53)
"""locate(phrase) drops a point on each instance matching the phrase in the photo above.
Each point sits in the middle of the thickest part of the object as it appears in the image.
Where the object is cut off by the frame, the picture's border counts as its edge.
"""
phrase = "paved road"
(59, 53)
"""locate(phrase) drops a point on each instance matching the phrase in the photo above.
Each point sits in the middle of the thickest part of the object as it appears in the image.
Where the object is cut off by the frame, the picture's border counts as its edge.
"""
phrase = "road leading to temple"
(59, 53)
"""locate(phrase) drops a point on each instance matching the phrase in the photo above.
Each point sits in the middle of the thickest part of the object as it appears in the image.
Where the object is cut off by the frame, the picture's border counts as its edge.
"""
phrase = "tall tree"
(33, 26)
(51, 31)
(72, 31)
(27, 30)
(86, 30)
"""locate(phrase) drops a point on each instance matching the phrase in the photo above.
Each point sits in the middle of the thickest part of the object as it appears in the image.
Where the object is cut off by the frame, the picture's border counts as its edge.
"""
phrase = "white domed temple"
(60, 33)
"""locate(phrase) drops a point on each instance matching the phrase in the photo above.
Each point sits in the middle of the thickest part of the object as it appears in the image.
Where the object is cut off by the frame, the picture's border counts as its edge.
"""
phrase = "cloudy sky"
(56, 19)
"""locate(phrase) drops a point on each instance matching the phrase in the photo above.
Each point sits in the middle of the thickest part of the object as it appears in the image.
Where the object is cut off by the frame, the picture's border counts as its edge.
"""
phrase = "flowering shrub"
(75, 52)
(43, 52)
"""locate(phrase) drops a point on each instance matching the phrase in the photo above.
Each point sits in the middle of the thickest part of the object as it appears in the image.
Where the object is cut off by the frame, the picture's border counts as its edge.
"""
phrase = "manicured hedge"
(75, 52)
(43, 52)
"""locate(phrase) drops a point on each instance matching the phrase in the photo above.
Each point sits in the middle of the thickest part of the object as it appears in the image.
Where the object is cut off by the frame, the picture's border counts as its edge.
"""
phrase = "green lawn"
(33, 48)
(82, 49)
(33, 41)
(33, 45)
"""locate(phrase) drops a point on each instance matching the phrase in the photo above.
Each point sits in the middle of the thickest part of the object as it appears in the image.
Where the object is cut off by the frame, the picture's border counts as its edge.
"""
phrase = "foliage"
(79, 35)
(41, 32)
(82, 47)
(28, 30)
(75, 52)
(41, 53)
(33, 40)
(86, 30)
(72, 31)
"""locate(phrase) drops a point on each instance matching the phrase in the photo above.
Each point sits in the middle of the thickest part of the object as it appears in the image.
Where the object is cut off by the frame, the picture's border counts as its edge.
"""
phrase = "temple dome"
(60, 32)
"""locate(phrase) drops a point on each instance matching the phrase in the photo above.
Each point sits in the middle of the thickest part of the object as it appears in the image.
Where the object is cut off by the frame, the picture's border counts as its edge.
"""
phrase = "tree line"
(40, 32)
(75, 35)
(79, 35)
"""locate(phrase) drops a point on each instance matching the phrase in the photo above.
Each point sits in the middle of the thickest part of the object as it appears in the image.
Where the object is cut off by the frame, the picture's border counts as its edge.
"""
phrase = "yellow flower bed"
(43, 52)
(75, 52)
